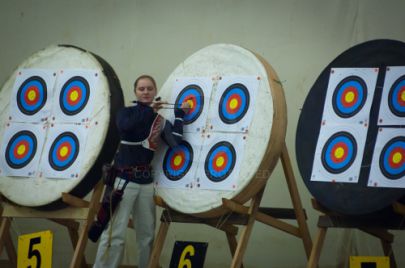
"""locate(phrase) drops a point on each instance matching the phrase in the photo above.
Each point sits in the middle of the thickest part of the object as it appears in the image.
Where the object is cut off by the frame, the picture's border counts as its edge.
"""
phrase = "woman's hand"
(157, 105)
(185, 106)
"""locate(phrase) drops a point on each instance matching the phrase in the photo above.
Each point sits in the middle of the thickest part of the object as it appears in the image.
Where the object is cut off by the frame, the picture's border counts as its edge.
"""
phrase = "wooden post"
(316, 250)
(242, 245)
(78, 209)
(377, 226)
(296, 200)
(158, 245)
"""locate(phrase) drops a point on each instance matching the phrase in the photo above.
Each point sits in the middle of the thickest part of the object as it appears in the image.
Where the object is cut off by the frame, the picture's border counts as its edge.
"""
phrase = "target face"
(32, 95)
(234, 103)
(392, 158)
(396, 97)
(63, 151)
(193, 95)
(21, 149)
(349, 96)
(74, 95)
(339, 152)
(220, 161)
(177, 161)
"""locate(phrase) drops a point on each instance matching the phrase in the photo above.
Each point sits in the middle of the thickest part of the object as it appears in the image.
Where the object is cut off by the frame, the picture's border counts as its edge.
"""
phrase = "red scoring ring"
(224, 156)
(193, 100)
(228, 104)
(16, 155)
(339, 145)
(391, 158)
(345, 92)
(27, 100)
(64, 144)
(182, 155)
(399, 99)
(70, 92)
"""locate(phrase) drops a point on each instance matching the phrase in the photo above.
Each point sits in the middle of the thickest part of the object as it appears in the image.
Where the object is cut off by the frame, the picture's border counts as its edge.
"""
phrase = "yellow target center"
(191, 103)
(349, 97)
(233, 104)
(397, 158)
(339, 152)
(64, 151)
(21, 149)
(32, 95)
(403, 95)
(177, 160)
(220, 161)
(74, 95)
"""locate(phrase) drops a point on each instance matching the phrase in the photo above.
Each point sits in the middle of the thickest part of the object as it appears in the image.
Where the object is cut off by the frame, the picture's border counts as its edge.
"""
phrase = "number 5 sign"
(35, 250)
(188, 254)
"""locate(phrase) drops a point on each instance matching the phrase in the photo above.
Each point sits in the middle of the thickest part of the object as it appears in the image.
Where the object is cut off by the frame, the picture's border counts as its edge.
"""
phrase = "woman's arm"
(172, 134)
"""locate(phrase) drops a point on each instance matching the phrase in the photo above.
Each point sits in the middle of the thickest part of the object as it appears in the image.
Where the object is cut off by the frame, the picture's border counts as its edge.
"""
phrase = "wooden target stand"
(78, 209)
(376, 226)
(245, 216)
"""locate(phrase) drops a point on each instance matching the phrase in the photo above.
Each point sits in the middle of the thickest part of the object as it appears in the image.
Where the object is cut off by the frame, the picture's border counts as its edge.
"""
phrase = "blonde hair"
(145, 76)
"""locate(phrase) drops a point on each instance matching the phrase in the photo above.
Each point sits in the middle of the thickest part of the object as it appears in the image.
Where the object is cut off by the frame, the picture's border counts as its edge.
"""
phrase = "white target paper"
(233, 103)
(63, 151)
(75, 94)
(393, 97)
(21, 153)
(341, 163)
(388, 164)
(218, 168)
(184, 89)
(31, 98)
(168, 178)
(349, 95)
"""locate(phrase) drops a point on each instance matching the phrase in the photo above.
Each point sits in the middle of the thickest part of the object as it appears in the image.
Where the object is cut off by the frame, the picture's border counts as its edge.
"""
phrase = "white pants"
(138, 200)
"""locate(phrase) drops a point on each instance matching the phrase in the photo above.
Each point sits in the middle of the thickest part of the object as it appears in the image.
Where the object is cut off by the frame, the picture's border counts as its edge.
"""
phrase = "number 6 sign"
(35, 250)
(187, 254)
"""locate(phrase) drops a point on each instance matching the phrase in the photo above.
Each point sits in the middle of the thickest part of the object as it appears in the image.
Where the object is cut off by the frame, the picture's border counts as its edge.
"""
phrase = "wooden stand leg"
(387, 248)
(5, 240)
(295, 198)
(247, 230)
(4, 227)
(233, 243)
(316, 250)
(78, 255)
(158, 245)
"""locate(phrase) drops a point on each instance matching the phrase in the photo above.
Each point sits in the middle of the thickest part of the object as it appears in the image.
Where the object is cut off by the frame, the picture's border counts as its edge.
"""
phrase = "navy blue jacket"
(134, 124)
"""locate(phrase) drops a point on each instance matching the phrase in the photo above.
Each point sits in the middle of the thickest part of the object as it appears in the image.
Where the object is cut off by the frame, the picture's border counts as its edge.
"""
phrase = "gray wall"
(298, 38)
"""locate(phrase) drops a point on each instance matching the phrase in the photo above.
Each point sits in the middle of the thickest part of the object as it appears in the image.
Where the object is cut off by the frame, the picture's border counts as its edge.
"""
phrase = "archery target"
(339, 153)
(220, 161)
(176, 167)
(388, 164)
(21, 149)
(78, 162)
(232, 174)
(177, 161)
(392, 109)
(31, 93)
(197, 92)
(63, 151)
(349, 95)
(234, 102)
(74, 101)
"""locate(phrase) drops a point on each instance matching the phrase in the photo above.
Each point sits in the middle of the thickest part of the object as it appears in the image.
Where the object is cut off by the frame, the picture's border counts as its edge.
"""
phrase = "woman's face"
(145, 91)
